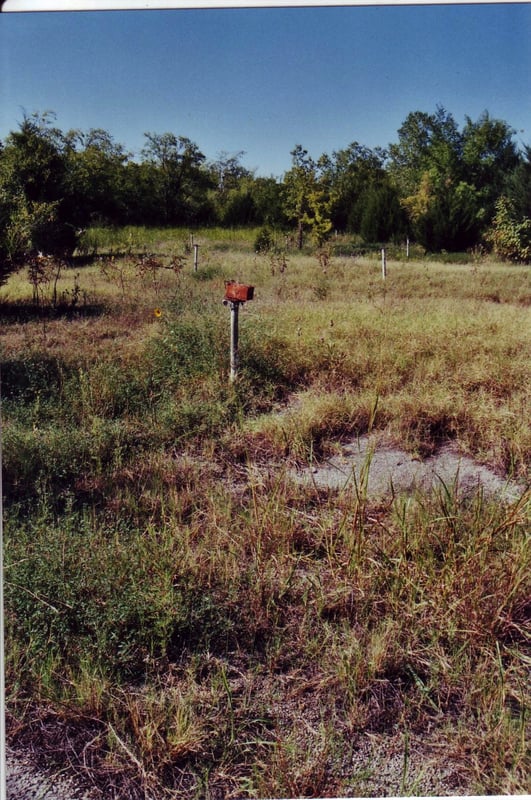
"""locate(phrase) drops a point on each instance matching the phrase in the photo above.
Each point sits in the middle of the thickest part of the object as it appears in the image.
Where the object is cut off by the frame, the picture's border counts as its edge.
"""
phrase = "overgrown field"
(182, 618)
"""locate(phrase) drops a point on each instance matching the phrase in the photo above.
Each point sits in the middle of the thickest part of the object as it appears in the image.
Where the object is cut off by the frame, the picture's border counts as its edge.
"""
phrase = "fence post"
(384, 264)
(196, 257)
(2, 631)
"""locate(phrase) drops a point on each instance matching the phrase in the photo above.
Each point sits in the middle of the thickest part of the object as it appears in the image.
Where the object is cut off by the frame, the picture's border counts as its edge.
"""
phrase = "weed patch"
(183, 618)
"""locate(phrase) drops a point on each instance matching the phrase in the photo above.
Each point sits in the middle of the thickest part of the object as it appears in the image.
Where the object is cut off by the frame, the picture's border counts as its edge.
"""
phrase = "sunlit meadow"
(183, 619)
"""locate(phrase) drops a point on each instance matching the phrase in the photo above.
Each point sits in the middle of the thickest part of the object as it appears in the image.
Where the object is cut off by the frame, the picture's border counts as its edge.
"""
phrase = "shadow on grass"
(28, 311)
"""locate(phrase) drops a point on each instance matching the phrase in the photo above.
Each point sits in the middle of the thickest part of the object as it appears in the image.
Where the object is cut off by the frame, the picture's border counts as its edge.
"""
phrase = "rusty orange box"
(238, 291)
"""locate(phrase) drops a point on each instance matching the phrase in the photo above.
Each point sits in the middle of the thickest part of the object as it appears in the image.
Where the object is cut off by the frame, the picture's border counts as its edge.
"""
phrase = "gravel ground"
(388, 774)
(386, 766)
(25, 781)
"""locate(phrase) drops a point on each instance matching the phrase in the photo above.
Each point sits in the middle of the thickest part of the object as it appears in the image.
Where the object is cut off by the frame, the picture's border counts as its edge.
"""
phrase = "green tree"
(21, 226)
(268, 201)
(489, 155)
(228, 171)
(517, 186)
(95, 181)
(382, 218)
(426, 142)
(449, 180)
(426, 167)
(232, 201)
(306, 199)
(238, 207)
(36, 214)
(181, 183)
(444, 214)
(252, 201)
(141, 192)
(34, 158)
(351, 175)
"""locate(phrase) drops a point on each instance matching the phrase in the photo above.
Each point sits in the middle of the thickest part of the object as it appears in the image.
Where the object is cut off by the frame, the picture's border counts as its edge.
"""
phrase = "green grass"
(135, 239)
(182, 619)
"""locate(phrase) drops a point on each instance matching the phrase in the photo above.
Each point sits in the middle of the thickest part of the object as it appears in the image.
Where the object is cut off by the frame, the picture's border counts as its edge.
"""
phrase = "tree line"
(442, 186)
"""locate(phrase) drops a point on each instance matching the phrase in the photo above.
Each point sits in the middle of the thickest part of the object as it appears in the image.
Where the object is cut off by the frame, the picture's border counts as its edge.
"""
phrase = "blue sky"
(262, 80)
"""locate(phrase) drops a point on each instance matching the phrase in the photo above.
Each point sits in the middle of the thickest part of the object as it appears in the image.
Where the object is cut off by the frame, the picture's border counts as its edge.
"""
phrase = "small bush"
(32, 375)
(264, 241)
(187, 348)
(510, 237)
(52, 460)
(206, 273)
(102, 593)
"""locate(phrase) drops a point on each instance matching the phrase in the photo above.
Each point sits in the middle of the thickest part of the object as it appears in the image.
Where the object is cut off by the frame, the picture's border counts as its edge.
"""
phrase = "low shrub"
(510, 236)
(80, 590)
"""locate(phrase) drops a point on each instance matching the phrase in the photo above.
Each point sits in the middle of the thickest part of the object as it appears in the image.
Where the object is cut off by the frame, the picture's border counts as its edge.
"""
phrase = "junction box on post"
(238, 292)
(235, 295)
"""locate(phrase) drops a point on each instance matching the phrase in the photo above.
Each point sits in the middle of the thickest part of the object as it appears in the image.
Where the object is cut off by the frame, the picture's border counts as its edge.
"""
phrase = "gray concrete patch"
(380, 470)
(25, 781)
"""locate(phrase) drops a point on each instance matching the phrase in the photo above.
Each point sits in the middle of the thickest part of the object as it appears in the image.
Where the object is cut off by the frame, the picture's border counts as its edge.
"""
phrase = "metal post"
(2, 633)
(384, 264)
(196, 257)
(234, 309)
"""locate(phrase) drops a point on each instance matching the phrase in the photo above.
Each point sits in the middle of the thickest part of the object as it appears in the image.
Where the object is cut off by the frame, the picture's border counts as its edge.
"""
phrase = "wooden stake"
(196, 257)
(384, 264)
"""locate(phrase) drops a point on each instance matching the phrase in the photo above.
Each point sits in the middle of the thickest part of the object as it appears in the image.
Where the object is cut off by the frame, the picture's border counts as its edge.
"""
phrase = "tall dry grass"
(182, 619)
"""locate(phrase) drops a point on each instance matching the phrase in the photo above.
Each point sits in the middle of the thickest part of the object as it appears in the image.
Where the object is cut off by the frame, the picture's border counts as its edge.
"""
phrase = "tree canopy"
(444, 186)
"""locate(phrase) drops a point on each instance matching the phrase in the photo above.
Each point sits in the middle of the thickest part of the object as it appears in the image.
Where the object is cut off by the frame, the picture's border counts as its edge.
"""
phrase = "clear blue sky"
(262, 80)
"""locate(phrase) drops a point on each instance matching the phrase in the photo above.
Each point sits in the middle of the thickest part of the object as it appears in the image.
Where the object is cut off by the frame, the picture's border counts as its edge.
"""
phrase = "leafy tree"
(351, 175)
(34, 159)
(489, 155)
(251, 201)
(426, 142)
(306, 200)
(96, 186)
(444, 216)
(232, 201)
(268, 202)
(228, 171)
(141, 192)
(383, 218)
(21, 225)
(517, 187)
(239, 207)
(35, 211)
(426, 165)
(450, 180)
(181, 184)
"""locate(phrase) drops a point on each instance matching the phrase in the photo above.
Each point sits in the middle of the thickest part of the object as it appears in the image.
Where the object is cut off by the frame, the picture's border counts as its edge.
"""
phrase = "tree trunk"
(299, 235)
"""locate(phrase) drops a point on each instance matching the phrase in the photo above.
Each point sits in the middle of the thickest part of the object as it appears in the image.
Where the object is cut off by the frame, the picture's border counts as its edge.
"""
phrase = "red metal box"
(238, 291)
